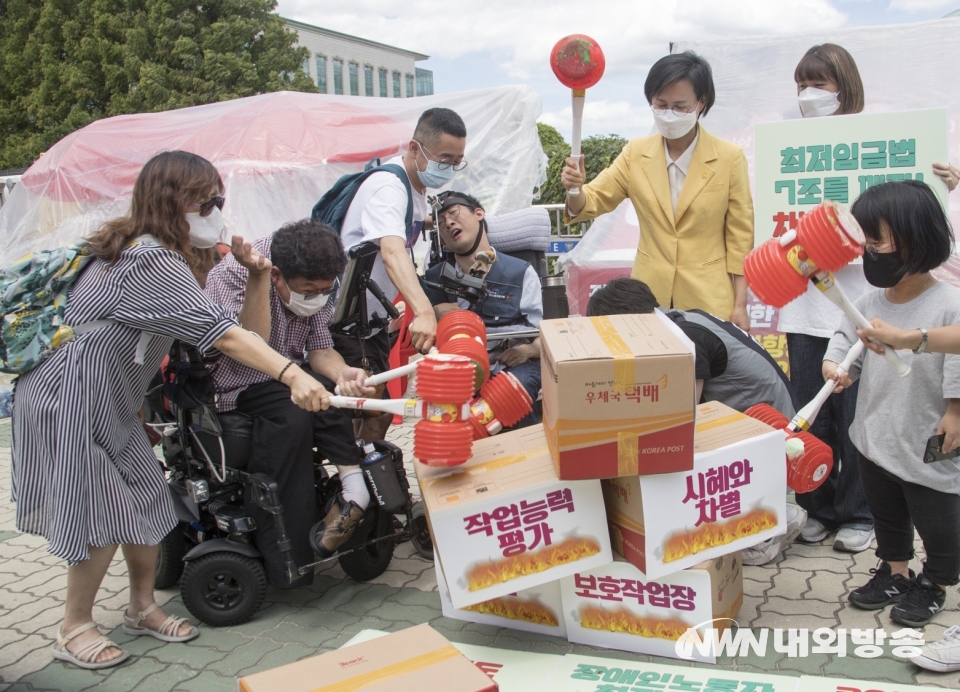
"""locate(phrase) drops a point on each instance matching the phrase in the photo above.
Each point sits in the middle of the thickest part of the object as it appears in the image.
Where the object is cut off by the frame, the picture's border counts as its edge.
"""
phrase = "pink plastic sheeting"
(277, 154)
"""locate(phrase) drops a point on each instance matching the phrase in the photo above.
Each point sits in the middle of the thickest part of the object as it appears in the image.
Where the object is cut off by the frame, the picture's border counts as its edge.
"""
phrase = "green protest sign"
(800, 163)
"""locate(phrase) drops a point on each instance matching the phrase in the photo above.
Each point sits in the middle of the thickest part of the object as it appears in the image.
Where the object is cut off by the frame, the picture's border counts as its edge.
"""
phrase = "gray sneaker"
(813, 531)
(852, 540)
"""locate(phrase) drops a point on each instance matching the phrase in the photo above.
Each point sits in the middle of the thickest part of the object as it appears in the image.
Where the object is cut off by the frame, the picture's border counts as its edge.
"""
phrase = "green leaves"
(66, 63)
(598, 151)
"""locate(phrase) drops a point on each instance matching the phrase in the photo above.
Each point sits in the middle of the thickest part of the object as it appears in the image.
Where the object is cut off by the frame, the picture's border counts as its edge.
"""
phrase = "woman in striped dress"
(84, 475)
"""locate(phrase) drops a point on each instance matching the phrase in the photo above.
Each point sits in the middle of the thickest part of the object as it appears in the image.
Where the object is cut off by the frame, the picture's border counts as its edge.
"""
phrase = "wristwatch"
(922, 348)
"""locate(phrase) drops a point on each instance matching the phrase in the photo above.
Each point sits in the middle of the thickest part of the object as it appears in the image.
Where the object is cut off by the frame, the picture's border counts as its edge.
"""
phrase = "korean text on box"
(503, 522)
(618, 607)
(734, 498)
(618, 395)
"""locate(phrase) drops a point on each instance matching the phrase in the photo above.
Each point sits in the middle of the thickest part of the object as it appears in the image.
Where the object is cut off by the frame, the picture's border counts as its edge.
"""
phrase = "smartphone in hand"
(933, 451)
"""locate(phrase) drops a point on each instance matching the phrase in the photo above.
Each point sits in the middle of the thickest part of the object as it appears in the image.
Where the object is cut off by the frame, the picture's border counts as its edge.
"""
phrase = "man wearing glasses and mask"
(280, 291)
(377, 213)
(513, 300)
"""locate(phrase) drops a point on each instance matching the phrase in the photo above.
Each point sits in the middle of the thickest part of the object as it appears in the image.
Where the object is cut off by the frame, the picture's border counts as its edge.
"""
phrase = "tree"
(66, 63)
(598, 151)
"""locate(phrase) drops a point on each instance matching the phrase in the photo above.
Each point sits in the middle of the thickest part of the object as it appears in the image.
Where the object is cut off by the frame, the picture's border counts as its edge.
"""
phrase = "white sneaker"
(813, 531)
(762, 553)
(796, 521)
(852, 540)
(942, 656)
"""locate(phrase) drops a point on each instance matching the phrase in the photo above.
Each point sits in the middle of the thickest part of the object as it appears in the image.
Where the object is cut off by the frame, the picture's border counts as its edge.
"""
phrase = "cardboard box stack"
(684, 489)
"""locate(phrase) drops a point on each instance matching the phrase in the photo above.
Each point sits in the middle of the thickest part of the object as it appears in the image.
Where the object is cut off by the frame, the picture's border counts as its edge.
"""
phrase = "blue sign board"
(558, 247)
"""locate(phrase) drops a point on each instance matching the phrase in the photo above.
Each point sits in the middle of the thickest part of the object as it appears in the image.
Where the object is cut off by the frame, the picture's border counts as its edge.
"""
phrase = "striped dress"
(84, 473)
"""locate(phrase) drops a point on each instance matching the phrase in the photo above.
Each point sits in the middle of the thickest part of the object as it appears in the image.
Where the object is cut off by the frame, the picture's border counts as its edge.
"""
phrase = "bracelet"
(282, 372)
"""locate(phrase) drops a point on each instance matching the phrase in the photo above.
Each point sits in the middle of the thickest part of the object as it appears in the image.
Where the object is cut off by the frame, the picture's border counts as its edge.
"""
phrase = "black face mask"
(885, 270)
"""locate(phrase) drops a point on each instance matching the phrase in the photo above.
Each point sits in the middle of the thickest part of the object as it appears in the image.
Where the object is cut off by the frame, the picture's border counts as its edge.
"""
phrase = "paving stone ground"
(805, 587)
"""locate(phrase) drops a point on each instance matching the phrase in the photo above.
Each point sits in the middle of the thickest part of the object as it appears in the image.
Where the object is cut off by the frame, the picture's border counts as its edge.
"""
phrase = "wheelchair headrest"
(525, 229)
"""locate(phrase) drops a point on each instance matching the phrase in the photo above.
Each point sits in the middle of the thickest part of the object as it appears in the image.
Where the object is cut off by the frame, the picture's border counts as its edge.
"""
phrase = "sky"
(482, 43)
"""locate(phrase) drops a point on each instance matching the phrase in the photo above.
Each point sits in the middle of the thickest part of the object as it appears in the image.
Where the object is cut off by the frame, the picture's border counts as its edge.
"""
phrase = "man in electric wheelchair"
(280, 290)
(510, 299)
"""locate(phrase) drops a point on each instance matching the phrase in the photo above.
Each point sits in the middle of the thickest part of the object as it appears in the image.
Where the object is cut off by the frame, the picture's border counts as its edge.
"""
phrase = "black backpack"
(332, 207)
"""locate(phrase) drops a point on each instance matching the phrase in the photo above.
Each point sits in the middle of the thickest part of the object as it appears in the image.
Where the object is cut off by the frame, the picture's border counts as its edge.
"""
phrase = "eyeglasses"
(207, 207)
(444, 165)
(451, 214)
(679, 112)
(873, 250)
(327, 292)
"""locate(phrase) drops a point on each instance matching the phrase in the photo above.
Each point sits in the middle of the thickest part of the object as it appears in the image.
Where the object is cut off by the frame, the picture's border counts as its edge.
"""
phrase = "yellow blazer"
(686, 260)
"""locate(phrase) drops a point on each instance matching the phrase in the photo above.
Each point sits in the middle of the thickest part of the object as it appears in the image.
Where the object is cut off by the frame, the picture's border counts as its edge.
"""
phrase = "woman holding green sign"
(828, 83)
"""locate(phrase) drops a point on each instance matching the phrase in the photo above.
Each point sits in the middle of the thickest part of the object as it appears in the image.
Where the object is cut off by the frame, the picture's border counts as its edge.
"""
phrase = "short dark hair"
(622, 296)
(920, 229)
(833, 62)
(439, 121)
(308, 249)
(685, 65)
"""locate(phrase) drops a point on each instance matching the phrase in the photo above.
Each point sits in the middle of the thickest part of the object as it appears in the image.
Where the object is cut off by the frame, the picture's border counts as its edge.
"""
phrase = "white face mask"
(205, 231)
(815, 103)
(673, 126)
(300, 305)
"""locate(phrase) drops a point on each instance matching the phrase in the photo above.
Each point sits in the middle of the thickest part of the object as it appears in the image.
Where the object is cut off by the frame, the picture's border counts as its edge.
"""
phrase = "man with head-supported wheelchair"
(247, 483)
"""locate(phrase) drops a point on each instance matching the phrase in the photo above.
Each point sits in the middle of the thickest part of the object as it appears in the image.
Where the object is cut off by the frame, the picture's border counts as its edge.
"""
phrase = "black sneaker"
(919, 604)
(883, 588)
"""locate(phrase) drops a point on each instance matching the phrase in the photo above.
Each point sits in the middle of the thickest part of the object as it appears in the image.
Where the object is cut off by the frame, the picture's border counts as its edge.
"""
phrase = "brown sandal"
(86, 657)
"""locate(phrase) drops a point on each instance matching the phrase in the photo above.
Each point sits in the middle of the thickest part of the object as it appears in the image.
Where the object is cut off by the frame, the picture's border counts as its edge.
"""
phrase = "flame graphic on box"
(625, 622)
(685, 543)
(514, 608)
(486, 575)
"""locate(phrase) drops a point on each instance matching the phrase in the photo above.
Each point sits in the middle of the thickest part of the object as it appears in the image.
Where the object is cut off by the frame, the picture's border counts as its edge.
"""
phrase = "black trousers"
(898, 506)
(283, 439)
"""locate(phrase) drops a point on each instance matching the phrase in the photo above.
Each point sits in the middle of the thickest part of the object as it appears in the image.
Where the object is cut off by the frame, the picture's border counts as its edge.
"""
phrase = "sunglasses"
(207, 207)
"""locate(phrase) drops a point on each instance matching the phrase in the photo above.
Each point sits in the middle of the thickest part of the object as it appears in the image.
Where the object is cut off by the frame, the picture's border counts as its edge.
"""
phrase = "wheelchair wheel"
(170, 559)
(223, 588)
(368, 561)
(420, 532)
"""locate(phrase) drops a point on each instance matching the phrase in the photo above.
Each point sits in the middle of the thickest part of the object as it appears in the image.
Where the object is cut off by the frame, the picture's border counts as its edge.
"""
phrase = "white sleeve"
(385, 214)
(531, 299)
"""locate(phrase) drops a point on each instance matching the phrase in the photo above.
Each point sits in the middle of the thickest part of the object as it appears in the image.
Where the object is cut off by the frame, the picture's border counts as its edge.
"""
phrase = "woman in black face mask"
(908, 236)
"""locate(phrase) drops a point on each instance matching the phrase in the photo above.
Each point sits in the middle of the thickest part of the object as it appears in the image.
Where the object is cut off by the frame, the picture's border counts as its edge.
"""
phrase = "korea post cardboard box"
(618, 607)
(503, 522)
(417, 658)
(618, 395)
(532, 610)
(734, 498)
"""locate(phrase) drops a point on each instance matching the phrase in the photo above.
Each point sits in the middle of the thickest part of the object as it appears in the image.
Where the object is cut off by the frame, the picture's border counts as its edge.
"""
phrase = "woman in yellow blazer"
(692, 195)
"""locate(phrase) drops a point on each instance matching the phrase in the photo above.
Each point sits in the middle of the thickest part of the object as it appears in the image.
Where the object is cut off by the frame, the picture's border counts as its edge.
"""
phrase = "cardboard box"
(503, 522)
(591, 673)
(618, 395)
(415, 658)
(618, 607)
(513, 671)
(734, 498)
(537, 610)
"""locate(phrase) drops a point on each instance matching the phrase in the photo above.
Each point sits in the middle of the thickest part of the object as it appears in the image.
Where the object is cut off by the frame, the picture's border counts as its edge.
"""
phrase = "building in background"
(353, 66)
